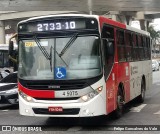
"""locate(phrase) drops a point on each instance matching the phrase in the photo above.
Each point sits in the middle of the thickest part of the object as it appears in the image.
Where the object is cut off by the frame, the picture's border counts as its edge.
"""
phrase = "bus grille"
(58, 99)
(56, 86)
(73, 111)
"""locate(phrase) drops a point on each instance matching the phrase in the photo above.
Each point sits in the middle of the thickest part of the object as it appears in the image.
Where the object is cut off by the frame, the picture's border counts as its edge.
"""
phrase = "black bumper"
(8, 99)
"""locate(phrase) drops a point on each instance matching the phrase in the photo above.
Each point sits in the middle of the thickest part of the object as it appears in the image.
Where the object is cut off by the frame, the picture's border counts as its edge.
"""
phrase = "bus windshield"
(67, 58)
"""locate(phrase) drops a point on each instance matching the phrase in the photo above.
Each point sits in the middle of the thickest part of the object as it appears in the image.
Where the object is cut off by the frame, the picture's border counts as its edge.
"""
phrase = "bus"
(6, 66)
(76, 65)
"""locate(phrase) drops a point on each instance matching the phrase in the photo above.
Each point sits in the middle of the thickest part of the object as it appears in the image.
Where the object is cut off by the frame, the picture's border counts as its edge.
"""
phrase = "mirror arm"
(13, 36)
(12, 59)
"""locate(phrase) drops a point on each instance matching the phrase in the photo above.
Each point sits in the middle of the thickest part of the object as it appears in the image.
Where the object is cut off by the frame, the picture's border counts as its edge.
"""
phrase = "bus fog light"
(86, 111)
(26, 110)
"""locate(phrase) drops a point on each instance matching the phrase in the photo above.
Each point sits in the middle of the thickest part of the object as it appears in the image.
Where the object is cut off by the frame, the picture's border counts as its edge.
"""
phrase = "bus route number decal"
(70, 93)
(29, 44)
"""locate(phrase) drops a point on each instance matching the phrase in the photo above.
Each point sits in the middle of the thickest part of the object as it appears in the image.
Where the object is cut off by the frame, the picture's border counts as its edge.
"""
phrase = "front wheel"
(120, 104)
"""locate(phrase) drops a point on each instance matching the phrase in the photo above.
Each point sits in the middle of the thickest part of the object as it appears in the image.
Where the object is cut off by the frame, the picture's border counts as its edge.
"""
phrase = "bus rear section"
(127, 64)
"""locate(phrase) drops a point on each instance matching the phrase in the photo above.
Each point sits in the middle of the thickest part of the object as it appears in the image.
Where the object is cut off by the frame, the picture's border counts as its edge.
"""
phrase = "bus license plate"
(55, 109)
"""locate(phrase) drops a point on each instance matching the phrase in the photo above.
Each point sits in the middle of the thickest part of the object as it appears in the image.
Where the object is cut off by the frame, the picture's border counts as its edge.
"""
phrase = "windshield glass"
(67, 58)
(3, 58)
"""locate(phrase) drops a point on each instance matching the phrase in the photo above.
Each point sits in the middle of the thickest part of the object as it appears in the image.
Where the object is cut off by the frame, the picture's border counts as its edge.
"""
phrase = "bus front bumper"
(94, 107)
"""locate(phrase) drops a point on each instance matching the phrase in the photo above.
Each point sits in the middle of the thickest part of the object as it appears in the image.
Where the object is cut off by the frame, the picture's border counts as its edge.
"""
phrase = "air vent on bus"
(58, 99)
(57, 86)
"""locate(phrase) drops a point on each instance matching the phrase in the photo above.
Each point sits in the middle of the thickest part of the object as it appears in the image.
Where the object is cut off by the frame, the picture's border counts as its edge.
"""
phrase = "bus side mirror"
(11, 48)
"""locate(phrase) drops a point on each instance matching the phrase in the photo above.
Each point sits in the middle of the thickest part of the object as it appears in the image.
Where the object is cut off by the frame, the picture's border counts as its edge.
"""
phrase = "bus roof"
(137, 30)
(88, 16)
(58, 15)
(124, 26)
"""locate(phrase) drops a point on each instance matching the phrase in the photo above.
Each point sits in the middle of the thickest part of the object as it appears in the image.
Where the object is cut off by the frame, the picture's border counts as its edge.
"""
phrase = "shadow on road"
(11, 107)
(90, 123)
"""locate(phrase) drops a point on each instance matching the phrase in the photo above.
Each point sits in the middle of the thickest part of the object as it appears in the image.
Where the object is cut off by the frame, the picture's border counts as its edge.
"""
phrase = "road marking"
(138, 108)
(157, 112)
(5, 110)
(75, 128)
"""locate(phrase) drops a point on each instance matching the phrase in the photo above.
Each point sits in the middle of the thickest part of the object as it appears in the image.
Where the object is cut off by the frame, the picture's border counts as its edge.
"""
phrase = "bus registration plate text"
(55, 109)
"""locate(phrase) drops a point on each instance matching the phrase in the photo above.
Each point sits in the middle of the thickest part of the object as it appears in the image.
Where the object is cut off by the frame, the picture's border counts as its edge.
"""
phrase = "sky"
(135, 24)
(155, 23)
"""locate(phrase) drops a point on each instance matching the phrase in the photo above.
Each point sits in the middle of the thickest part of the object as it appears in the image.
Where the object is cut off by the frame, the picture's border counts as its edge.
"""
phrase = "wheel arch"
(144, 80)
(121, 87)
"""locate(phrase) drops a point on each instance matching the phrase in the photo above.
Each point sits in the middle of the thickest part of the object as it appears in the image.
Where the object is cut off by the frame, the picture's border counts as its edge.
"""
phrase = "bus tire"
(141, 97)
(120, 104)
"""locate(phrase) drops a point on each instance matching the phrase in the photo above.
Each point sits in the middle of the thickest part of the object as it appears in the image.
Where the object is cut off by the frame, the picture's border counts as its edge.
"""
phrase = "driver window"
(108, 45)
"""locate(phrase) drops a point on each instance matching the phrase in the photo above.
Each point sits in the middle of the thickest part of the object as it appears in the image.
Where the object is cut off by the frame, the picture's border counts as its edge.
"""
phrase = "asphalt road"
(147, 113)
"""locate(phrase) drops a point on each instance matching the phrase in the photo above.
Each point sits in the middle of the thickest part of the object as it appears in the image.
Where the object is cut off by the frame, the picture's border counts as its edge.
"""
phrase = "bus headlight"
(92, 94)
(26, 97)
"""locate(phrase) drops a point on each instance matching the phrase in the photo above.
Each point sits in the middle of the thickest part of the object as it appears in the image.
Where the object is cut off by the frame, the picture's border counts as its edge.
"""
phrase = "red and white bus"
(74, 65)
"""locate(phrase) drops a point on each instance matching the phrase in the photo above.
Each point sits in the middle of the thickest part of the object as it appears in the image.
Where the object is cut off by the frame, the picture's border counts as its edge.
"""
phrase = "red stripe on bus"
(111, 22)
(37, 93)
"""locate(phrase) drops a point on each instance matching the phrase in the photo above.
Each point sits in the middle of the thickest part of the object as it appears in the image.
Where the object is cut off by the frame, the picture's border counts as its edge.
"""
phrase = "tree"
(155, 35)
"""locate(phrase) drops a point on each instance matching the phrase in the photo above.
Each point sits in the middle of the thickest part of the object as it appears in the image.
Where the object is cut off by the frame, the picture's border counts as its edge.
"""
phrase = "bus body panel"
(93, 107)
(111, 90)
(123, 78)
(123, 70)
(104, 20)
(129, 74)
(138, 70)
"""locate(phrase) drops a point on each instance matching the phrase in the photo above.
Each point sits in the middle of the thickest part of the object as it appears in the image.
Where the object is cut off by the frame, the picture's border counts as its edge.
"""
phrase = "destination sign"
(58, 25)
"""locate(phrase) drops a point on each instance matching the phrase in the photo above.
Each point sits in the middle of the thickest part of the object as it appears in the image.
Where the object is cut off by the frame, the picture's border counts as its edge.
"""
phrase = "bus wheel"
(142, 95)
(120, 104)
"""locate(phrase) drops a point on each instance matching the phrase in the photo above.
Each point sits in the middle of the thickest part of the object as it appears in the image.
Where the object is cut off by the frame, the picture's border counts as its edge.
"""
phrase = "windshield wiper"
(51, 58)
(43, 50)
(45, 53)
(69, 43)
(58, 56)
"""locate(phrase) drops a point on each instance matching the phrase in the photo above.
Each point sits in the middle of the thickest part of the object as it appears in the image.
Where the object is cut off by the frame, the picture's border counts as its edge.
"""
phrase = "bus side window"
(121, 45)
(134, 44)
(128, 42)
(108, 45)
(148, 48)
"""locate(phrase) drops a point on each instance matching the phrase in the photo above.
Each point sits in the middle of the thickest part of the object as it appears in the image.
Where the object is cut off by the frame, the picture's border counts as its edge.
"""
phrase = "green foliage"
(155, 35)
